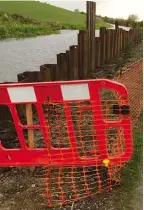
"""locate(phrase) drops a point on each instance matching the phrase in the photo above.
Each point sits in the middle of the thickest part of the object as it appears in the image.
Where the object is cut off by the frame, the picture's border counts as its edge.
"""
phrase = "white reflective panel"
(22, 94)
(75, 92)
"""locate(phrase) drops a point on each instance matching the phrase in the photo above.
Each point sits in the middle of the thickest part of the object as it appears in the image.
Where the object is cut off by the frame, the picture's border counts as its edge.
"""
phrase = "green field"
(35, 18)
(44, 12)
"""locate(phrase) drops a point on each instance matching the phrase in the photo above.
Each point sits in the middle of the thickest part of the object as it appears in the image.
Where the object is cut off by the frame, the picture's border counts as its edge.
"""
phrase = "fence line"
(74, 63)
(90, 53)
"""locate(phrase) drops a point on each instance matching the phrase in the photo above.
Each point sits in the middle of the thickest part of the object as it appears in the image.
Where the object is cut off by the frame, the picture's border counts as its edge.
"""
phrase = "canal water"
(19, 55)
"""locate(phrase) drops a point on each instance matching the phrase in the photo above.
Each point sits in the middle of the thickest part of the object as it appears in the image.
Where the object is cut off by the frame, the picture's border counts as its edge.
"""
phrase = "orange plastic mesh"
(69, 184)
(63, 185)
(132, 77)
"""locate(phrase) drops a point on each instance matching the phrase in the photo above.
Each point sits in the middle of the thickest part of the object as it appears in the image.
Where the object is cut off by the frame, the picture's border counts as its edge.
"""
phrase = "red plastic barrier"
(66, 93)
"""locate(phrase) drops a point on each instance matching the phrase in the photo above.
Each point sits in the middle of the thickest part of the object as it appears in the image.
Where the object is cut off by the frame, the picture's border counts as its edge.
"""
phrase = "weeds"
(16, 25)
(9, 31)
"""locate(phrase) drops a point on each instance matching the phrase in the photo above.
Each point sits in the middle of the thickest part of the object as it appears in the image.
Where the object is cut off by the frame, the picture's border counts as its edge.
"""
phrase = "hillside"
(32, 18)
(44, 12)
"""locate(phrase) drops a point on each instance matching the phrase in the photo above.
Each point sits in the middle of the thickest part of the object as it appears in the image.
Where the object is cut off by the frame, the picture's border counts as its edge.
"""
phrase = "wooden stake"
(30, 122)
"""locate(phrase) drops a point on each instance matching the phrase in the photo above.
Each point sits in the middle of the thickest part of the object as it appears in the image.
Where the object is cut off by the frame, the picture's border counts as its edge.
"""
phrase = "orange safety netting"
(132, 77)
(71, 183)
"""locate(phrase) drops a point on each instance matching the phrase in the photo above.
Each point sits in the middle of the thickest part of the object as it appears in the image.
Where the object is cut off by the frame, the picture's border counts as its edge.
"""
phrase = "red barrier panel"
(75, 98)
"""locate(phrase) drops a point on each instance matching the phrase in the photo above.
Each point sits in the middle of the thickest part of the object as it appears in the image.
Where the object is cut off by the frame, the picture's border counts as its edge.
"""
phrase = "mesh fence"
(68, 184)
(132, 77)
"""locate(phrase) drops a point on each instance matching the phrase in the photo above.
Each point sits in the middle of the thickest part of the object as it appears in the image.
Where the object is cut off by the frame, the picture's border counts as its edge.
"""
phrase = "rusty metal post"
(91, 25)
(82, 54)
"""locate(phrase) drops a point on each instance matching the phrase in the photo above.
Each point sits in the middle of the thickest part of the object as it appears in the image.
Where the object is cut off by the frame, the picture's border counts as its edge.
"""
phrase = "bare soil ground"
(19, 187)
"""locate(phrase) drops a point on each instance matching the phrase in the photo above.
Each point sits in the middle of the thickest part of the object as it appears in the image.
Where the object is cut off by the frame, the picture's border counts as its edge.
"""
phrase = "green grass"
(16, 26)
(31, 18)
(132, 173)
(45, 12)
(24, 31)
(130, 189)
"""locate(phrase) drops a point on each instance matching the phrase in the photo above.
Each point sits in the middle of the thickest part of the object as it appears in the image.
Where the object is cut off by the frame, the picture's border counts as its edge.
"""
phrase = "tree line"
(132, 20)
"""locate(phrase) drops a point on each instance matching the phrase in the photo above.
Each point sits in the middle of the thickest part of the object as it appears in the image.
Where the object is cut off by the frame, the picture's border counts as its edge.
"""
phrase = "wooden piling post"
(97, 51)
(112, 43)
(73, 63)
(102, 44)
(125, 39)
(62, 65)
(115, 38)
(45, 73)
(108, 44)
(82, 54)
(53, 71)
(130, 36)
(121, 40)
(116, 25)
(91, 25)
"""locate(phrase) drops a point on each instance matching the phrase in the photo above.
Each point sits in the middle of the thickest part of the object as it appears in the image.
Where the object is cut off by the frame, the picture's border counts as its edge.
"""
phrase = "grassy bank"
(14, 26)
(31, 18)
(18, 31)
(132, 172)
(46, 12)
(130, 193)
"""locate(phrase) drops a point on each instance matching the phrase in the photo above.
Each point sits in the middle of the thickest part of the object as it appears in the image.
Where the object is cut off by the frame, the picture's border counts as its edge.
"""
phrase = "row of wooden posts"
(74, 63)
(90, 52)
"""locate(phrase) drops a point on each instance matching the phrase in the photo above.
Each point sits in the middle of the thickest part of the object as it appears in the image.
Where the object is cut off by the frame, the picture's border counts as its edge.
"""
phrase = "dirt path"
(19, 187)
(20, 191)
